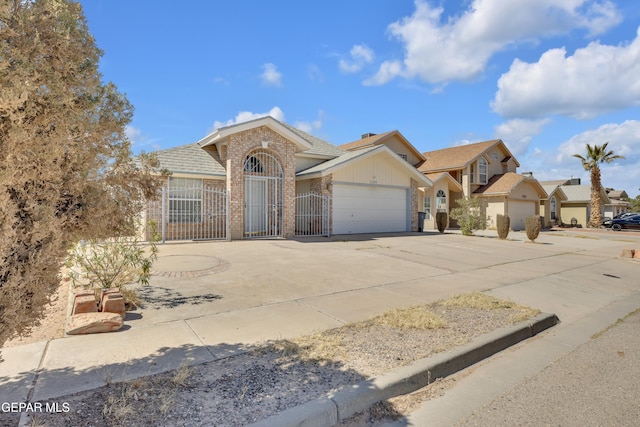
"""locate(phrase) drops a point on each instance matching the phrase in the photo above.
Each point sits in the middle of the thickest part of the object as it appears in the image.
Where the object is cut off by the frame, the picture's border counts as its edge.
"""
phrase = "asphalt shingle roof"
(345, 157)
(577, 193)
(454, 157)
(365, 142)
(320, 146)
(192, 159)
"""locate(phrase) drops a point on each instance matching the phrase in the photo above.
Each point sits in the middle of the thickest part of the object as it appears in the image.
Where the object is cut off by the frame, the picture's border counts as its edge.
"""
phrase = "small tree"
(470, 215)
(441, 221)
(532, 227)
(503, 224)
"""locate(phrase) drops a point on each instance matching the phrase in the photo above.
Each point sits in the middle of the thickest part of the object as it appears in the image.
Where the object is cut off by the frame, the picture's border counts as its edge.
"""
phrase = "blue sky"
(545, 76)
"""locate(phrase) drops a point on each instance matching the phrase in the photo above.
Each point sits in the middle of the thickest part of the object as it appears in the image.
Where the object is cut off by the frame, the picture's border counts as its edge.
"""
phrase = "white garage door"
(518, 211)
(368, 209)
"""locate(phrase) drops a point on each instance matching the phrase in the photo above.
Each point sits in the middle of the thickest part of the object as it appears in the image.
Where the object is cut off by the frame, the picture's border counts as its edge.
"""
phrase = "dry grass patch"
(416, 317)
(481, 301)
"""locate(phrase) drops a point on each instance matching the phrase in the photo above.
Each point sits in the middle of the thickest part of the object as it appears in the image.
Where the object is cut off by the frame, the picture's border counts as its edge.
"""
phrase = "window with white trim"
(482, 171)
(552, 203)
(472, 173)
(426, 207)
(185, 200)
(441, 201)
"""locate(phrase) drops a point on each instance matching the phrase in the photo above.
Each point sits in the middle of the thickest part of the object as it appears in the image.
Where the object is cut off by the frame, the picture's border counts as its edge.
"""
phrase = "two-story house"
(484, 169)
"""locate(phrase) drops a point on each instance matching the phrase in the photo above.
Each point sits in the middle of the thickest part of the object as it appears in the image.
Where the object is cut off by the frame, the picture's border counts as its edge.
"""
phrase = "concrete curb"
(333, 408)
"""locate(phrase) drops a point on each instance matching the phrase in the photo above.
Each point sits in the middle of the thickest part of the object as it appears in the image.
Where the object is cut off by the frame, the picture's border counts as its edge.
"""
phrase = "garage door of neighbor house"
(369, 209)
(519, 211)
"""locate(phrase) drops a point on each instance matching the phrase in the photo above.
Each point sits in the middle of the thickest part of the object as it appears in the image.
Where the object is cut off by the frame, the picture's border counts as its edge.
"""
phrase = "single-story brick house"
(264, 178)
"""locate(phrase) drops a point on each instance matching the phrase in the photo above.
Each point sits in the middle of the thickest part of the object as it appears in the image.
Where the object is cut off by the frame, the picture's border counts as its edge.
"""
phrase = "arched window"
(253, 164)
(441, 201)
(482, 171)
(552, 203)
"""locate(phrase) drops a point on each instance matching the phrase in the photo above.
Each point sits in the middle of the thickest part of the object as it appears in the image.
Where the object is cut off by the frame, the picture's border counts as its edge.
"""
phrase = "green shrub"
(470, 215)
(441, 221)
(503, 223)
(112, 263)
(532, 227)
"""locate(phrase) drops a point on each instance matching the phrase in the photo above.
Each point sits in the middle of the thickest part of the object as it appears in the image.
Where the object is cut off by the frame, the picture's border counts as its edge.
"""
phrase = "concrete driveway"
(211, 299)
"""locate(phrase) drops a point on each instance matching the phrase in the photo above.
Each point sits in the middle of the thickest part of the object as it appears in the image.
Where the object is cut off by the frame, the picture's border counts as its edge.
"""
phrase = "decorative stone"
(636, 253)
(84, 302)
(94, 323)
(113, 303)
(628, 253)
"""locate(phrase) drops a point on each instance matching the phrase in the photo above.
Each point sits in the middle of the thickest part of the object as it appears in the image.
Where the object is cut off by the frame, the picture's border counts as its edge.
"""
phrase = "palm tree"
(596, 155)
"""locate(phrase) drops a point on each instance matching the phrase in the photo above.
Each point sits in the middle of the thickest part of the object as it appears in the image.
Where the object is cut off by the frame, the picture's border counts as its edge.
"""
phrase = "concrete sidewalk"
(210, 300)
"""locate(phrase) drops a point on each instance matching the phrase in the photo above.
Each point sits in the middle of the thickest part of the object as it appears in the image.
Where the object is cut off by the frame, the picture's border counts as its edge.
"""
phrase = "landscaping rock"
(84, 302)
(636, 253)
(94, 323)
(628, 253)
(113, 303)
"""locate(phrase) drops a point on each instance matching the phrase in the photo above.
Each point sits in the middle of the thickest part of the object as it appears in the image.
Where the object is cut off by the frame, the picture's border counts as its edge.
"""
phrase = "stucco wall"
(577, 211)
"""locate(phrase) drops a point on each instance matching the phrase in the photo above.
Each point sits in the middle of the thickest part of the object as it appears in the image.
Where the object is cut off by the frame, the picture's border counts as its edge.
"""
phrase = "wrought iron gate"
(312, 214)
(263, 191)
(189, 210)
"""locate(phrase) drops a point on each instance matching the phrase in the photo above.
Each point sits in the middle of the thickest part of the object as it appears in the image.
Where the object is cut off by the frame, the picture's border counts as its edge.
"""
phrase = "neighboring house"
(616, 205)
(264, 178)
(576, 209)
(485, 169)
(550, 207)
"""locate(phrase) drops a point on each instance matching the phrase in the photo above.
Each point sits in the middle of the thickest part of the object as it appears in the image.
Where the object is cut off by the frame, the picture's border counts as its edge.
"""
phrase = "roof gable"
(461, 156)
(353, 156)
(451, 181)
(220, 135)
(505, 183)
(382, 139)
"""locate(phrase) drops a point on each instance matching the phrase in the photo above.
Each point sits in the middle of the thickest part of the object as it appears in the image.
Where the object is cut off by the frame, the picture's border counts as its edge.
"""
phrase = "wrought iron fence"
(189, 210)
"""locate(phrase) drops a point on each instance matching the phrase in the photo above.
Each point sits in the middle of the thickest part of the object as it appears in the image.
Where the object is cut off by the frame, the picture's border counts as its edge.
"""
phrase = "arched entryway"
(263, 195)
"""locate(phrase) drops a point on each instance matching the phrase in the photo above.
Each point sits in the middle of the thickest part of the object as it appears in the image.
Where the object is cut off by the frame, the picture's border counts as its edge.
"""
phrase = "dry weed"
(481, 301)
(416, 317)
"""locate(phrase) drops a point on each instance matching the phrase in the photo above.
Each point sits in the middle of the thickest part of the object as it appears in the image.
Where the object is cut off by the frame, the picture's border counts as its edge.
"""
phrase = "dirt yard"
(278, 375)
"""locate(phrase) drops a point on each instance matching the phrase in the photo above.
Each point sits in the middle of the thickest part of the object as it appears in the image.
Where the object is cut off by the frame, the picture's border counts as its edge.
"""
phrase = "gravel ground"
(278, 375)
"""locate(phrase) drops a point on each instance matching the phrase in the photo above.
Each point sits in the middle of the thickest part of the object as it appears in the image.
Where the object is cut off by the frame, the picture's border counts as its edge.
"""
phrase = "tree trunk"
(595, 218)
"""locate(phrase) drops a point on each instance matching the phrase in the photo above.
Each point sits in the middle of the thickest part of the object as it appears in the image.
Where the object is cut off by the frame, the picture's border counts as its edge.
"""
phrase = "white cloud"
(597, 78)
(133, 134)
(314, 73)
(271, 76)
(140, 141)
(623, 139)
(441, 49)
(361, 55)
(245, 116)
(518, 133)
(311, 126)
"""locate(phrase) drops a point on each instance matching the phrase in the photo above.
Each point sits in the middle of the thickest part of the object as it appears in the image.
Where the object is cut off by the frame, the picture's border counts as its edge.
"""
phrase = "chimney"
(527, 174)
(367, 135)
(575, 181)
